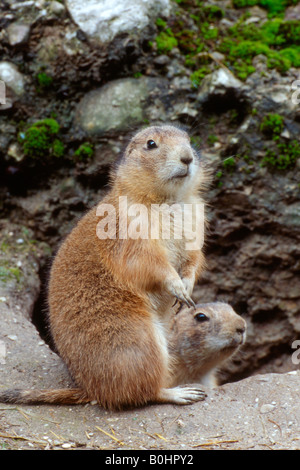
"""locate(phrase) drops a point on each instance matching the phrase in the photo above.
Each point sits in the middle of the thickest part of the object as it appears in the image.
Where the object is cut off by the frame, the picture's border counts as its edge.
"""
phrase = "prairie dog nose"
(241, 327)
(185, 156)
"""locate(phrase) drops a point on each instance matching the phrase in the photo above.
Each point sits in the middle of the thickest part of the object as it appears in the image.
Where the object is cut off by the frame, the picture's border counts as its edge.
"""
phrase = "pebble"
(57, 8)
(66, 445)
(12, 337)
(18, 33)
(267, 408)
(12, 77)
(15, 152)
(2, 352)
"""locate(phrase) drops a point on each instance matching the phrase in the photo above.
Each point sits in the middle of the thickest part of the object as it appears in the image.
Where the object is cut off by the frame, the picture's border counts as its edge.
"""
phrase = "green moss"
(277, 39)
(241, 53)
(165, 41)
(291, 56)
(285, 154)
(58, 148)
(84, 151)
(7, 273)
(284, 157)
(208, 32)
(213, 12)
(212, 139)
(161, 23)
(218, 177)
(242, 69)
(244, 3)
(189, 42)
(39, 140)
(197, 76)
(175, 33)
(229, 164)
(272, 124)
(274, 7)
(44, 80)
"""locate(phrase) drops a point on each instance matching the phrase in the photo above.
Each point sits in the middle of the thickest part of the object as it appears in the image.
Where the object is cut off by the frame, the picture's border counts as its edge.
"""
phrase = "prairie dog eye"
(201, 317)
(151, 144)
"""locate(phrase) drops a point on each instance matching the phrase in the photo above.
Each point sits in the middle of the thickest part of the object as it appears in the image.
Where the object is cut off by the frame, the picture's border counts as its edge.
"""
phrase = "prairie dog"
(202, 339)
(110, 299)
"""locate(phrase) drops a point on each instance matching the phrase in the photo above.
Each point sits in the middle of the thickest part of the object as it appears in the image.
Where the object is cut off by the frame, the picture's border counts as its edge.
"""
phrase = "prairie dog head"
(204, 338)
(162, 160)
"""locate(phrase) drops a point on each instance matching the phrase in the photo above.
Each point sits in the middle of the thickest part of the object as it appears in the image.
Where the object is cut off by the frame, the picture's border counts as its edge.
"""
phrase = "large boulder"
(104, 19)
(117, 105)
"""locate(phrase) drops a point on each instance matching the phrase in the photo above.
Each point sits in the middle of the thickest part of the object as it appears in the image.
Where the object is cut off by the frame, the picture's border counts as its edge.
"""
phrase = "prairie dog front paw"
(188, 284)
(177, 289)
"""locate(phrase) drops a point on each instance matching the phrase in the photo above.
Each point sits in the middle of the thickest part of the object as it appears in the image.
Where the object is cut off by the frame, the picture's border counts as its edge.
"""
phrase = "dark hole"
(40, 311)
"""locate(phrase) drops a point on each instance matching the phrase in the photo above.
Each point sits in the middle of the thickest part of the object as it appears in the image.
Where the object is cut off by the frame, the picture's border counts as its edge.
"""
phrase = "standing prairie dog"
(110, 299)
(202, 339)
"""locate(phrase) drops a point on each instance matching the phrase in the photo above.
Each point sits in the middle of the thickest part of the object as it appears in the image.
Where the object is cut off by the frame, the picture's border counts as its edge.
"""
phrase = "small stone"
(2, 352)
(253, 19)
(218, 84)
(285, 134)
(267, 408)
(15, 152)
(57, 8)
(293, 12)
(12, 77)
(218, 56)
(18, 33)
(66, 445)
(162, 60)
(12, 337)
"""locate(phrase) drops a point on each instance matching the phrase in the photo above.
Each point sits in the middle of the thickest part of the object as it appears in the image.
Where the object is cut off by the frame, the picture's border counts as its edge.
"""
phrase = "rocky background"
(80, 79)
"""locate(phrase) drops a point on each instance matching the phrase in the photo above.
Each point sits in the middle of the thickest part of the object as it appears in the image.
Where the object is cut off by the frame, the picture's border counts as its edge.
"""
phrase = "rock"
(218, 84)
(104, 19)
(12, 77)
(57, 8)
(15, 152)
(2, 352)
(116, 106)
(292, 12)
(267, 408)
(18, 33)
(258, 12)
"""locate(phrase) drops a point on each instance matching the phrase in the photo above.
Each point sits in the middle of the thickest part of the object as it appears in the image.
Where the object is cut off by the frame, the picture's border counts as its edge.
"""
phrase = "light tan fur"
(110, 299)
(200, 345)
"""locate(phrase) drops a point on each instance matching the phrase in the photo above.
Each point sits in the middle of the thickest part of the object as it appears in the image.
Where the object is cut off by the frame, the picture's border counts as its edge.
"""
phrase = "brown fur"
(198, 347)
(110, 300)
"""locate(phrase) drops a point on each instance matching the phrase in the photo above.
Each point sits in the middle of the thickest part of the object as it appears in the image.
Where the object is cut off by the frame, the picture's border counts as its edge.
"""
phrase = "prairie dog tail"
(64, 396)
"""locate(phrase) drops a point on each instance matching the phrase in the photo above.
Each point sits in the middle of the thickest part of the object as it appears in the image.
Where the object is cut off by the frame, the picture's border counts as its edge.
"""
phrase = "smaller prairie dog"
(202, 339)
